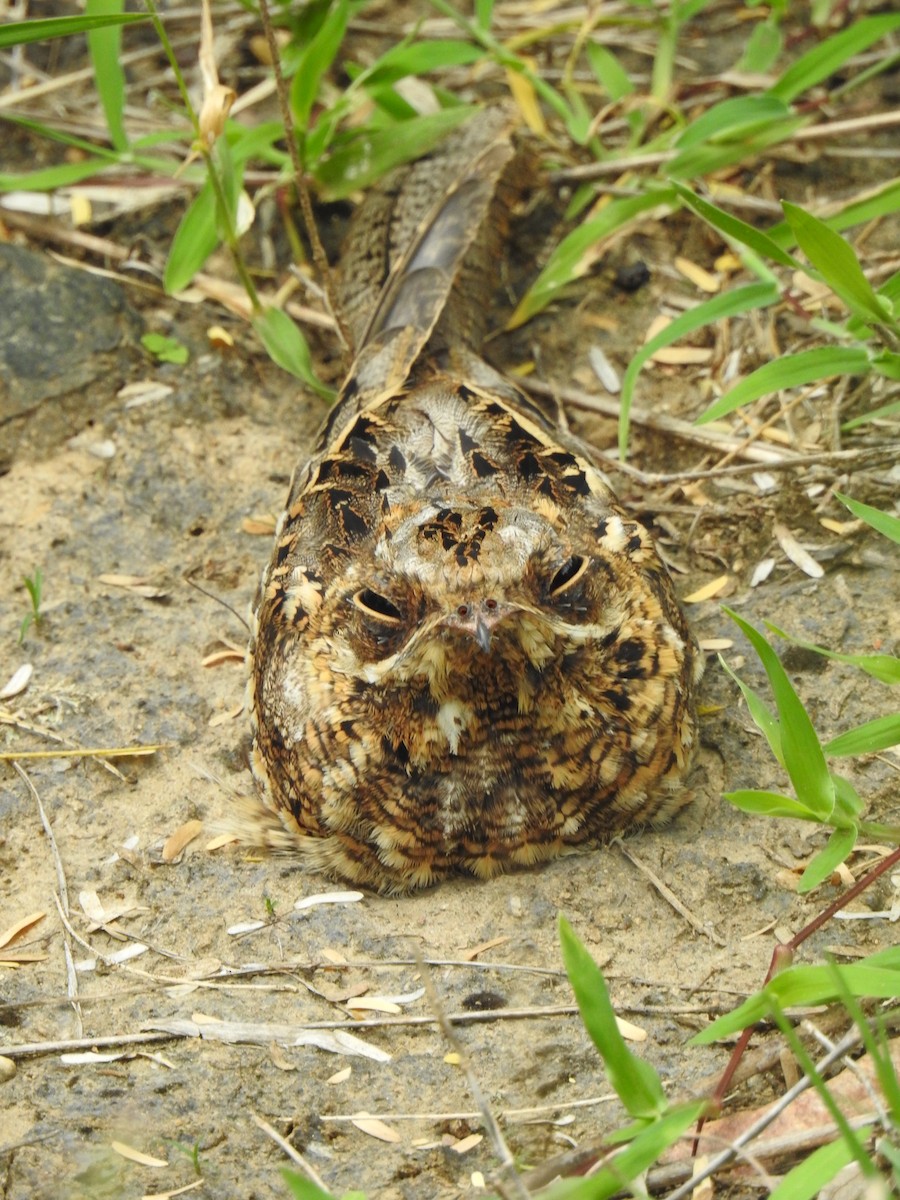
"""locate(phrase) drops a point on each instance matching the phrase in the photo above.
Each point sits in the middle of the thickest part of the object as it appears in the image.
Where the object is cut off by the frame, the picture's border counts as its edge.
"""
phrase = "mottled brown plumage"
(466, 655)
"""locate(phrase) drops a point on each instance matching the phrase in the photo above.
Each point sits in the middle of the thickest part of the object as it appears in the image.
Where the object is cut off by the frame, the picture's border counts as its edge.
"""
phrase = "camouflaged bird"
(466, 657)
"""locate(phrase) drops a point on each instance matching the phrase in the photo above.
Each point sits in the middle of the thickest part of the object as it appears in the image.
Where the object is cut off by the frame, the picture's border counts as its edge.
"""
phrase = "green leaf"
(877, 976)
(287, 346)
(729, 304)
(195, 239)
(166, 349)
(882, 521)
(610, 73)
(302, 1188)
(364, 157)
(883, 667)
(834, 259)
(47, 179)
(617, 1172)
(838, 846)
(869, 738)
(762, 49)
(793, 370)
(733, 120)
(803, 757)
(571, 259)
(19, 33)
(810, 1176)
(763, 717)
(635, 1081)
(315, 60)
(735, 229)
(829, 56)
(418, 58)
(771, 804)
(105, 46)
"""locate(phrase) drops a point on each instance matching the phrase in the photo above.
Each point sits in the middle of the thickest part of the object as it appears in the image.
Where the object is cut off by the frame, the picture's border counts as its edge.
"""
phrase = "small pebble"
(7, 1069)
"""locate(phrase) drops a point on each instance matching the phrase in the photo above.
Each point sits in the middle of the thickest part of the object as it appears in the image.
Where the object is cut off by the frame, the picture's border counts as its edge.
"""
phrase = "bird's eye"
(567, 575)
(378, 607)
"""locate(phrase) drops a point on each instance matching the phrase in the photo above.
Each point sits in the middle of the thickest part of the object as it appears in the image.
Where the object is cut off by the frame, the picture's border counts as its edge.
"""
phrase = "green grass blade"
(794, 370)
(195, 239)
(643, 1152)
(288, 347)
(735, 229)
(419, 58)
(636, 1083)
(315, 60)
(877, 976)
(829, 56)
(733, 119)
(302, 1188)
(803, 757)
(869, 738)
(575, 253)
(836, 850)
(762, 49)
(882, 521)
(48, 179)
(836, 262)
(105, 46)
(609, 72)
(763, 717)
(883, 667)
(365, 157)
(770, 804)
(729, 304)
(20, 33)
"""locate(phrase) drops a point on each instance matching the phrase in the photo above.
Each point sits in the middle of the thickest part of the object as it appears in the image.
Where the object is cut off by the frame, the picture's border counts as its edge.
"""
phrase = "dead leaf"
(188, 1187)
(631, 1033)
(471, 954)
(280, 1059)
(17, 682)
(229, 714)
(223, 839)
(467, 1143)
(713, 588)
(523, 93)
(220, 656)
(340, 1076)
(328, 898)
(220, 337)
(799, 557)
(262, 1033)
(682, 356)
(373, 1004)
(176, 842)
(762, 571)
(137, 1156)
(140, 585)
(375, 1128)
(14, 931)
(701, 278)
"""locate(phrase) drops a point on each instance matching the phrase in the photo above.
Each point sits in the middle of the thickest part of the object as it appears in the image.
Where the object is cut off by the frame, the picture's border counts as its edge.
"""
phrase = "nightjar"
(466, 656)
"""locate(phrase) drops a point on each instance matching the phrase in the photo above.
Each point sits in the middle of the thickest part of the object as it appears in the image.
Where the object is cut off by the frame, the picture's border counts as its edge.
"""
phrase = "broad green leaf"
(302, 1188)
(836, 262)
(634, 1080)
(195, 239)
(829, 56)
(887, 362)
(848, 802)
(810, 1176)
(828, 859)
(762, 716)
(803, 757)
(366, 156)
(105, 45)
(733, 119)
(793, 370)
(418, 58)
(877, 976)
(615, 1175)
(610, 73)
(866, 739)
(47, 179)
(735, 229)
(771, 804)
(883, 667)
(882, 521)
(19, 33)
(762, 49)
(575, 253)
(315, 60)
(166, 349)
(287, 346)
(729, 304)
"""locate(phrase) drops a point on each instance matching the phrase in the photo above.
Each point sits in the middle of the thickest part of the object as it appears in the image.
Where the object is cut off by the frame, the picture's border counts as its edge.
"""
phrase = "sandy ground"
(95, 486)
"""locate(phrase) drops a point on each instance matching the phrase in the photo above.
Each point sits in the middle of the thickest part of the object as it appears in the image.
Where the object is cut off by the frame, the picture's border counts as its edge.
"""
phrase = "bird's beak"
(479, 619)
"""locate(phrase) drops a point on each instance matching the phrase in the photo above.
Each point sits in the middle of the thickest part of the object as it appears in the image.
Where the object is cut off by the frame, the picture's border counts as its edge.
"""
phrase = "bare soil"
(97, 485)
